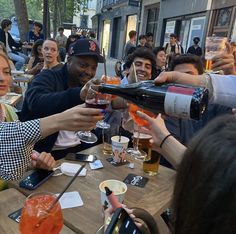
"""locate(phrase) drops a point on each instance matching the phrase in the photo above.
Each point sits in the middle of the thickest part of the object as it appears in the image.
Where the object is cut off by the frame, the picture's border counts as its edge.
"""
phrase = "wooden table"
(155, 197)
(10, 201)
(11, 98)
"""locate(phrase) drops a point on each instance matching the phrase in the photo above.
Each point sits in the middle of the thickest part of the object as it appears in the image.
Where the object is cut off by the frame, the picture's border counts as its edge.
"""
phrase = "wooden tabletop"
(155, 197)
(11, 98)
(11, 200)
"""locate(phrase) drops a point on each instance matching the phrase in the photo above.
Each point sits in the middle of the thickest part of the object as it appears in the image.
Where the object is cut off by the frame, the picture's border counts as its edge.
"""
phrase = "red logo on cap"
(93, 46)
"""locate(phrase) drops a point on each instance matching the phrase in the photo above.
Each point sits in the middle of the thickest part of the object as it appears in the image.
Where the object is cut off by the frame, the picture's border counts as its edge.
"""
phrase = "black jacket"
(11, 42)
(49, 94)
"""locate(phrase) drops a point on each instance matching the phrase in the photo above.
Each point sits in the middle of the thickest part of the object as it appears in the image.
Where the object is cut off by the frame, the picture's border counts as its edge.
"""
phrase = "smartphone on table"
(122, 223)
(35, 179)
(81, 157)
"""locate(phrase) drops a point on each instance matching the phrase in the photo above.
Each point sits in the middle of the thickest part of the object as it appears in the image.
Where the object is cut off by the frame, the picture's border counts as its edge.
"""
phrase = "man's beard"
(79, 80)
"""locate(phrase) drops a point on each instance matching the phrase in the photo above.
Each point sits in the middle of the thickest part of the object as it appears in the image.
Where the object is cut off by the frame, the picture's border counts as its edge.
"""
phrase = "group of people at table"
(54, 109)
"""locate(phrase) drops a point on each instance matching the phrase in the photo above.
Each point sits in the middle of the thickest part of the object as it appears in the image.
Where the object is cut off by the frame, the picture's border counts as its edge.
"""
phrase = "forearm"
(50, 125)
(173, 151)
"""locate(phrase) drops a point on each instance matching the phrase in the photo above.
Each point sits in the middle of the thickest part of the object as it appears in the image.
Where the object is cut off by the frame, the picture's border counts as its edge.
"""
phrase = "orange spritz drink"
(138, 120)
(135, 151)
(111, 80)
(36, 217)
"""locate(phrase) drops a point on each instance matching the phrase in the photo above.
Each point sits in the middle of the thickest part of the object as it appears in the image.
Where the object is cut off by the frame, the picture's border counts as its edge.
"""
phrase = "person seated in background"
(184, 130)
(83, 34)
(195, 48)
(150, 41)
(72, 38)
(142, 41)
(18, 138)
(74, 30)
(50, 51)
(19, 58)
(35, 64)
(160, 60)
(54, 91)
(92, 36)
(225, 61)
(36, 33)
(61, 40)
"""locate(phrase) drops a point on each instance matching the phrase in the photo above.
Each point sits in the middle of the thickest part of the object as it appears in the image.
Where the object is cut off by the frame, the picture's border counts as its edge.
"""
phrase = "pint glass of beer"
(214, 46)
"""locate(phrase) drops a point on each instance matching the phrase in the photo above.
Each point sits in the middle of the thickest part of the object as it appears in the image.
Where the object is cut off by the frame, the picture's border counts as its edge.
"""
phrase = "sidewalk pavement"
(110, 65)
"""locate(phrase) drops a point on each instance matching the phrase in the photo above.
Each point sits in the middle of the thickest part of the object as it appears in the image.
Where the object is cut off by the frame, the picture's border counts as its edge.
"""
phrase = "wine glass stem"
(136, 141)
(87, 133)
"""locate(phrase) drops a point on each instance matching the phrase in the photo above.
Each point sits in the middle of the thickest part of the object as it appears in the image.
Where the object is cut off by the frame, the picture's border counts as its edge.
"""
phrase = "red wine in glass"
(98, 104)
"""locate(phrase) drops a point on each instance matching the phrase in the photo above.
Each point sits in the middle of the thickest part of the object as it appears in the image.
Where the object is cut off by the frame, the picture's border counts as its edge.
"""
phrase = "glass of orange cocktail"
(39, 217)
(135, 151)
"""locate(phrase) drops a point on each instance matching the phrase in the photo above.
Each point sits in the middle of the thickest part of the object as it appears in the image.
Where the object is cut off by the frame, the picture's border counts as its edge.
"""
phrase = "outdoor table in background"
(10, 201)
(22, 78)
(11, 98)
(155, 197)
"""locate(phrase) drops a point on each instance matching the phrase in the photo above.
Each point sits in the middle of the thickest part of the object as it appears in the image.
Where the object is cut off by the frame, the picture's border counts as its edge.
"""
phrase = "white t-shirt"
(66, 139)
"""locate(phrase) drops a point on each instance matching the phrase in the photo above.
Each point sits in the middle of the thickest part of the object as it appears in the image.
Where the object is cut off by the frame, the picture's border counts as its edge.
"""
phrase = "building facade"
(84, 18)
(187, 19)
(223, 19)
(149, 21)
(114, 20)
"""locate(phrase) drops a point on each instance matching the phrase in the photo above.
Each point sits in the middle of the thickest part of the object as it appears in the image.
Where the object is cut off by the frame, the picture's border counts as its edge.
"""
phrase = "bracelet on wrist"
(165, 138)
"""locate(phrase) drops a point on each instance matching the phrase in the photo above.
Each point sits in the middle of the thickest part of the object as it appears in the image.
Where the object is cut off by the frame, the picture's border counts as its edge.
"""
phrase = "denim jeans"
(20, 59)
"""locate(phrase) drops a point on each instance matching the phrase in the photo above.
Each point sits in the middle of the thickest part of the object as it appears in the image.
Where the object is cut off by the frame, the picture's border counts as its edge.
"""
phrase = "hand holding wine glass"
(96, 100)
(140, 122)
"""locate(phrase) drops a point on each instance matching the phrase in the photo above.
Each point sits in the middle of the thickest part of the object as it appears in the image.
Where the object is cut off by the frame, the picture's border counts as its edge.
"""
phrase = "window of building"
(131, 25)
(84, 21)
(222, 21)
(152, 18)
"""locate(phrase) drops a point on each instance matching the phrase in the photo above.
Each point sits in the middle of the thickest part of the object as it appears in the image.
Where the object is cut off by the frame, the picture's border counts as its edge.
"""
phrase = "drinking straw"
(60, 195)
(67, 186)
(105, 66)
(135, 74)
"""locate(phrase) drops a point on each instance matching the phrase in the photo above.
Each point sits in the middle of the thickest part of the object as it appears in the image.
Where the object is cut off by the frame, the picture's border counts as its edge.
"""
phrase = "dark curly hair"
(142, 52)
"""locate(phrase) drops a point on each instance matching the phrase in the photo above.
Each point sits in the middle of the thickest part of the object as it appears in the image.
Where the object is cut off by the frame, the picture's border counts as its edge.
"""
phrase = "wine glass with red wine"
(94, 99)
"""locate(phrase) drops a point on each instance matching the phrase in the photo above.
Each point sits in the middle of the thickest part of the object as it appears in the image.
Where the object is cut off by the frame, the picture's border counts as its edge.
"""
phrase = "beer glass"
(214, 46)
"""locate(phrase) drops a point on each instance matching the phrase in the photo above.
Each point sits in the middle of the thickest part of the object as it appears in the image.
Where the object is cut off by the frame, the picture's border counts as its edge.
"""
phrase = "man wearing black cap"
(195, 48)
(53, 91)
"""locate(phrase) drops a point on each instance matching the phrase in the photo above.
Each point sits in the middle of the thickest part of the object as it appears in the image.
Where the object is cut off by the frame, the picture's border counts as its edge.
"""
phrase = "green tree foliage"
(66, 8)
(7, 9)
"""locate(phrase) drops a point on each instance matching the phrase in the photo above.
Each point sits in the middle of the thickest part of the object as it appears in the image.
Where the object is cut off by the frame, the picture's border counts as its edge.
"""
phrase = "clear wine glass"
(135, 151)
(94, 99)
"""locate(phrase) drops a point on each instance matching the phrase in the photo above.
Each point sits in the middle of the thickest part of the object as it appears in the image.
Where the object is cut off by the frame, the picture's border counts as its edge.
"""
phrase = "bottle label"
(178, 101)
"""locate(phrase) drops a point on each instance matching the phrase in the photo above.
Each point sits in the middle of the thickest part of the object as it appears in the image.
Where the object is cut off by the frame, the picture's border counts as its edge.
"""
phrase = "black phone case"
(114, 220)
(27, 181)
(15, 215)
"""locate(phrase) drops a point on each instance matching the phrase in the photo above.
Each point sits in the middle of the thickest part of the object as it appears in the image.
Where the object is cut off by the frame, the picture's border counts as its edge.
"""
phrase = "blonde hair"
(6, 58)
